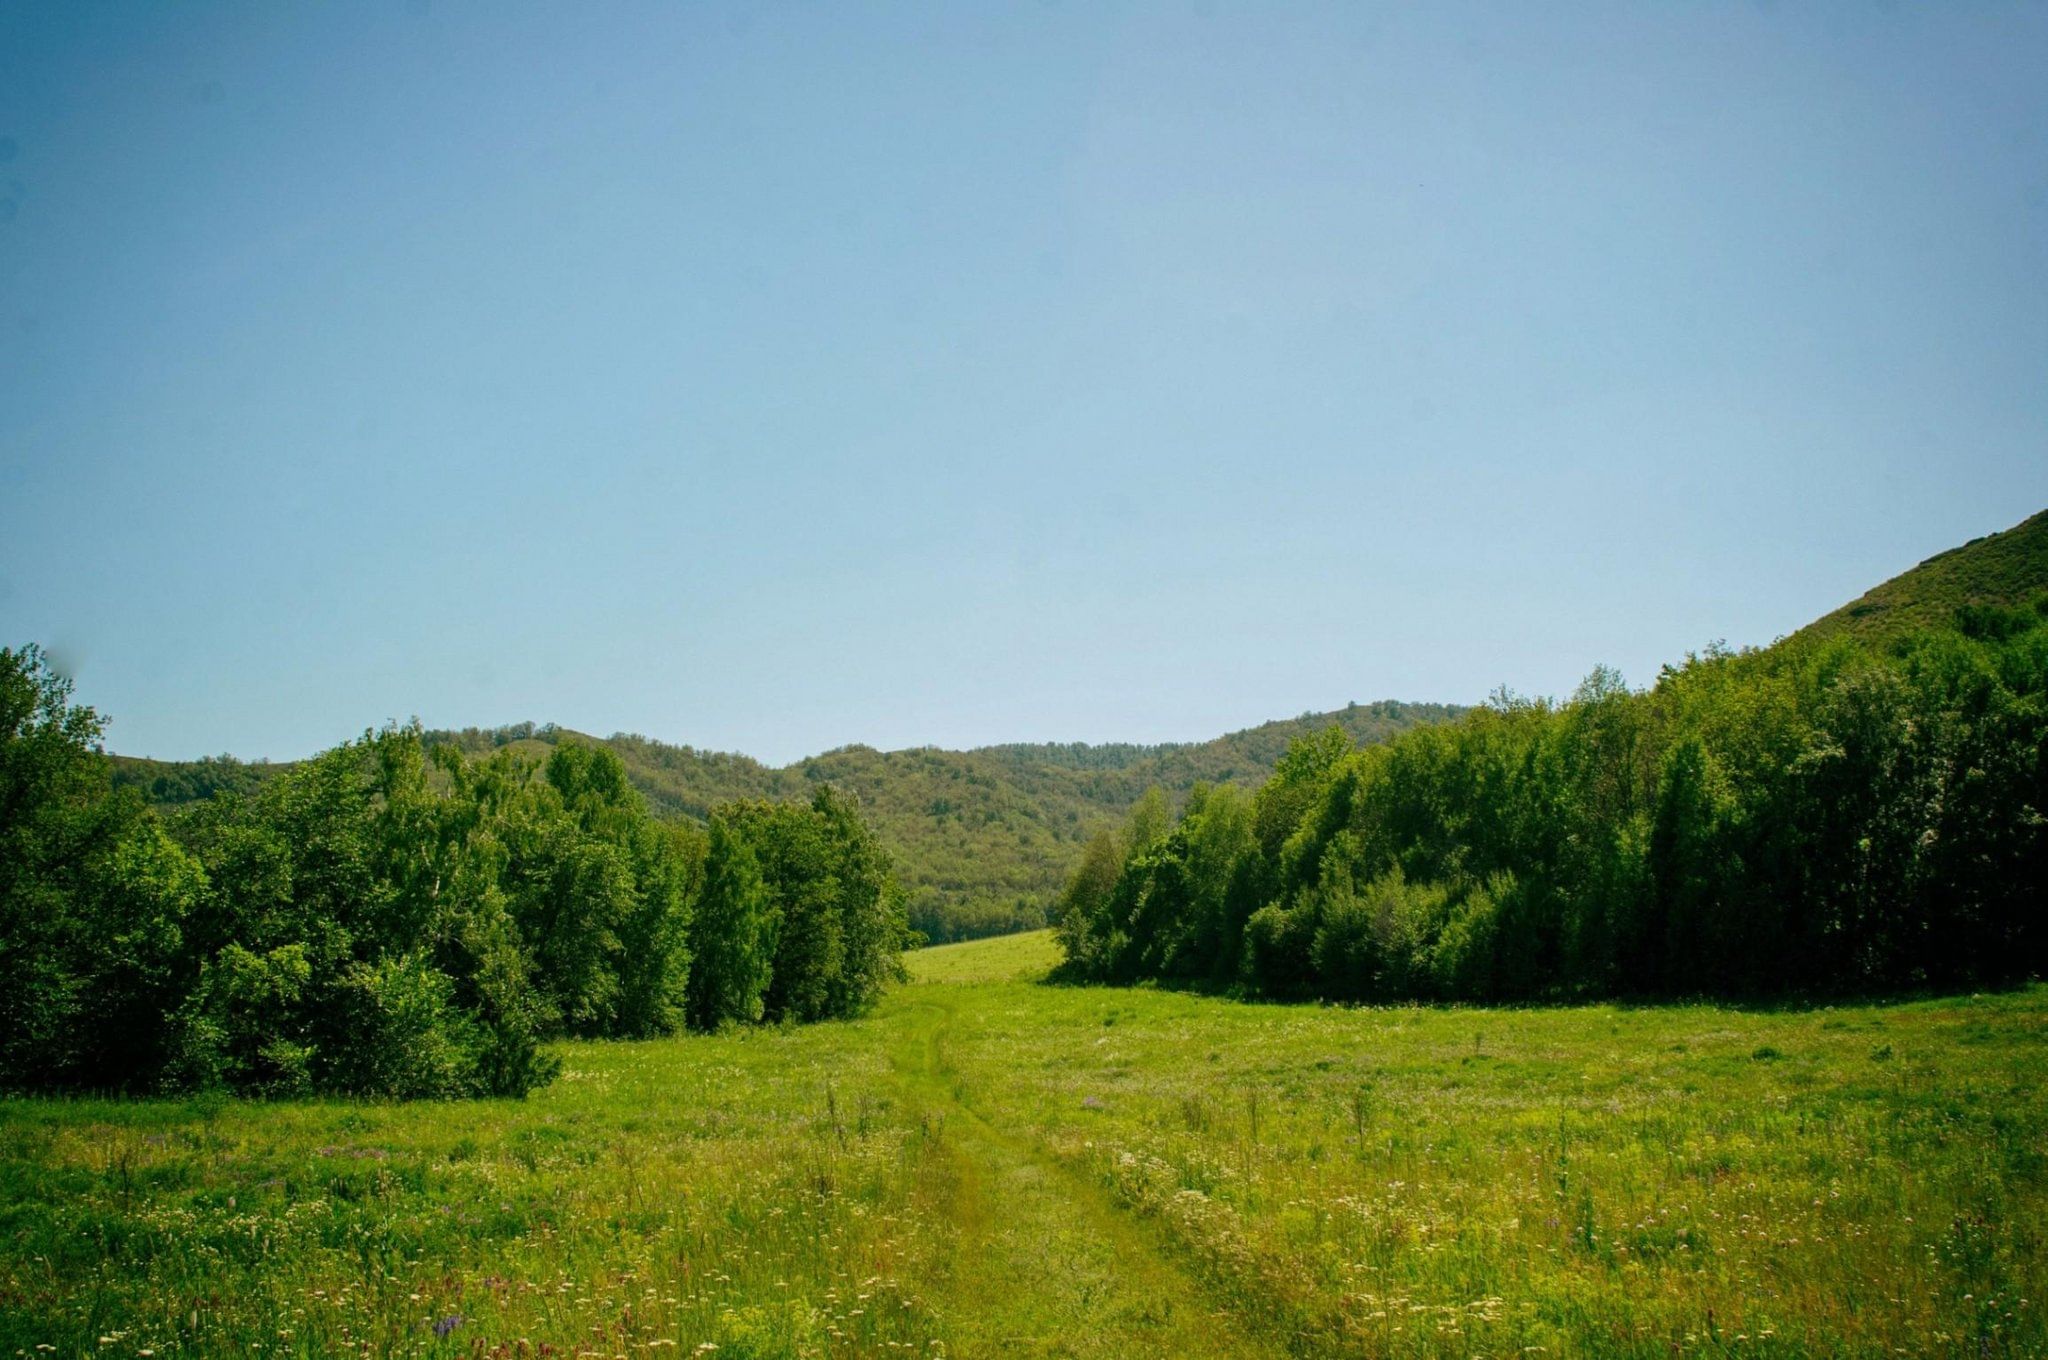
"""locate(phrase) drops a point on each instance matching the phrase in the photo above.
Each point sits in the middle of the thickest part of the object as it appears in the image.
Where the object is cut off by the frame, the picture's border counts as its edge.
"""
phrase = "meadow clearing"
(991, 1166)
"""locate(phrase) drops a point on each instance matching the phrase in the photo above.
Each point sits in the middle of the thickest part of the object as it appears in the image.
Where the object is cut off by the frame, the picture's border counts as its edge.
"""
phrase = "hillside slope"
(983, 839)
(2006, 570)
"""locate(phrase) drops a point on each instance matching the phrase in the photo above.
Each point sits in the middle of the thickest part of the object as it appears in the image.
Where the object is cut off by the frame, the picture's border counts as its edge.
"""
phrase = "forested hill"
(1856, 808)
(982, 839)
(1997, 571)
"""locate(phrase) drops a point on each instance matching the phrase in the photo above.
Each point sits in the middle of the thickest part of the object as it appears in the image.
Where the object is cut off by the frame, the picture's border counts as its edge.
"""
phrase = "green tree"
(93, 900)
(1824, 815)
(356, 935)
(839, 925)
(601, 894)
(1084, 925)
(733, 932)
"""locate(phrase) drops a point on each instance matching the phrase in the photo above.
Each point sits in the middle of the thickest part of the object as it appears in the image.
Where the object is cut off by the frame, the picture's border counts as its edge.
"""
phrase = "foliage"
(93, 899)
(982, 840)
(600, 894)
(169, 783)
(734, 934)
(835, 922)
(1823, 816)
(985, 838)
(936, 918)
(398, 920)
(357, 937)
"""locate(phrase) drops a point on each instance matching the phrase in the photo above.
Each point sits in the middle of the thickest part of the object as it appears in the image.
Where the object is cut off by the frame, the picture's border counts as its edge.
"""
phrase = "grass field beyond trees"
(991, 1166)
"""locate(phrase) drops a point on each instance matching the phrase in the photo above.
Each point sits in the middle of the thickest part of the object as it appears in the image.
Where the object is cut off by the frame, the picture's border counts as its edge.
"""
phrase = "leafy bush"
(408, 1037)
(1279, 951)
(1375, 941)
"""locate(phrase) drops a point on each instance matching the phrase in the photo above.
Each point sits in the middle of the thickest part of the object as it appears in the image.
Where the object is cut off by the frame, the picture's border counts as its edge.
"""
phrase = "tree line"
(395, 917)
(1826, 817)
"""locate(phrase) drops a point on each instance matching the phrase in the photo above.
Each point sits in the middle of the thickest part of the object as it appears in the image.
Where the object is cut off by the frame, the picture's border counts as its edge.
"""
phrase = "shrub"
(406, 1036)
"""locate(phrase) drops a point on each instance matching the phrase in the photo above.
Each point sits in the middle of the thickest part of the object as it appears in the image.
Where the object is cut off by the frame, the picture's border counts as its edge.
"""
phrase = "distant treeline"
(938, 921)
(398, 917)
(982, 840)
(1825, 816)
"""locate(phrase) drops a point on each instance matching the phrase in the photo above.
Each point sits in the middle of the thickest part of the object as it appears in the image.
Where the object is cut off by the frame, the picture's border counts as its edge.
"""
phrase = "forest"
(1849, 811)
(398, 918)
(982, 840)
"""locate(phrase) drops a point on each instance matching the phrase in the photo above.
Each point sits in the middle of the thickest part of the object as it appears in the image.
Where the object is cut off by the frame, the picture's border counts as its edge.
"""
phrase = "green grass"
(1026, 957)
(989, 1166)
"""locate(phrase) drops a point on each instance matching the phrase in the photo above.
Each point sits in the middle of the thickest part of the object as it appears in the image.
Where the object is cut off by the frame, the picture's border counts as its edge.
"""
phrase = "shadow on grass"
(1065, 974)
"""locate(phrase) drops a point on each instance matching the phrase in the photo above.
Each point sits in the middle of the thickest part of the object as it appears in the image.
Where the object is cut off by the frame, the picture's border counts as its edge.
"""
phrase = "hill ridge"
(2006, 569)
(983, 837)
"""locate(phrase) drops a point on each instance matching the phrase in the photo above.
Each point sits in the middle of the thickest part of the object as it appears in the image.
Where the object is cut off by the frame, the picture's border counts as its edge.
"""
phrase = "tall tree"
(733, 934)
(93, 899)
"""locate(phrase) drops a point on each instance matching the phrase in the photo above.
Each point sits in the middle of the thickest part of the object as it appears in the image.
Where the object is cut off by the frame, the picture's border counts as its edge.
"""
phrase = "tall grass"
(989, 1166)
(663, 1196)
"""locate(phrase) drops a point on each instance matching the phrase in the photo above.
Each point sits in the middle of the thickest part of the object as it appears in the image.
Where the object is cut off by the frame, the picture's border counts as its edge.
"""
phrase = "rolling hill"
(983, 839)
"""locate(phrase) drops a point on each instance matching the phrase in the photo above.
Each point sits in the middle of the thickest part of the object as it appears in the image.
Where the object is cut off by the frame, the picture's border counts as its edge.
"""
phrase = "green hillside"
(2005, 570)
(982, 839)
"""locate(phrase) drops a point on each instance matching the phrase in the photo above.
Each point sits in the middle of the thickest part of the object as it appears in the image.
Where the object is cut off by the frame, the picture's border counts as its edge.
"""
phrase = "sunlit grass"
(1585, 1181)
(991, 1166)
(754, 1192)
(1006, 958)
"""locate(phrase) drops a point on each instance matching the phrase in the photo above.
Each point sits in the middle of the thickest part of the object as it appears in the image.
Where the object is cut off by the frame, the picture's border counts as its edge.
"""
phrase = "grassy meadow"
(989, 1166)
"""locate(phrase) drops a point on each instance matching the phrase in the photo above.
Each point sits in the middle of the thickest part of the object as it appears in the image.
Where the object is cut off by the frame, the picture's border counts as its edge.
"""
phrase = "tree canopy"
(1833, 814)
(399, 918)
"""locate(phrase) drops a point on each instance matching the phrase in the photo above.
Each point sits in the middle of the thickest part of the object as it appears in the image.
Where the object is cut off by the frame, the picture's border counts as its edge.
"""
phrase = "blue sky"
(776, 377)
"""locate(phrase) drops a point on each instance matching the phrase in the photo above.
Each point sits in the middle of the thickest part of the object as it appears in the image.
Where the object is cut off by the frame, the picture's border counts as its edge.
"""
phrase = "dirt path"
(1045, 1263)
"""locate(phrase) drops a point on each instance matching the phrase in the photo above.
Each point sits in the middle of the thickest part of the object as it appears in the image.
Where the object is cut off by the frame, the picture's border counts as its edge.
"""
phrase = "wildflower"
(447, 1324)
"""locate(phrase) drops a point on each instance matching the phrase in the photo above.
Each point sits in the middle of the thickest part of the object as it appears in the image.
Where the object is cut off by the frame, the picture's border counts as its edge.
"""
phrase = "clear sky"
(776, 377)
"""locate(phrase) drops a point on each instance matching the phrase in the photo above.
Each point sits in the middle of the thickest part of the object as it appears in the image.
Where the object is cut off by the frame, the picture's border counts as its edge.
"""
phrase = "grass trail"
(1045, 1264)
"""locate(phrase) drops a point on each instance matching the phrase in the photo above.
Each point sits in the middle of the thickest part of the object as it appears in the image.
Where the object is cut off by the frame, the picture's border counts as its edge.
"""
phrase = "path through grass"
(1044, 1262)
